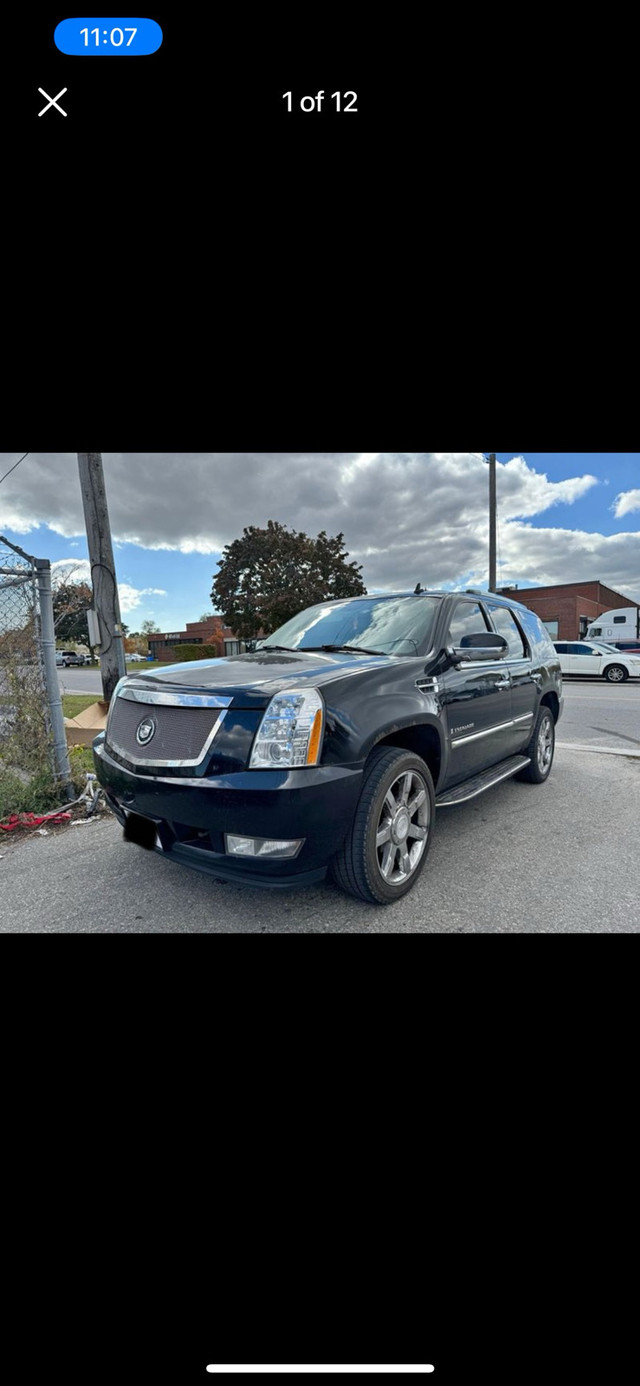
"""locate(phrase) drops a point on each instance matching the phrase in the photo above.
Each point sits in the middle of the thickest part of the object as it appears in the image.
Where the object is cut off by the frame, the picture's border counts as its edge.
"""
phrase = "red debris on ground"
(33, 820)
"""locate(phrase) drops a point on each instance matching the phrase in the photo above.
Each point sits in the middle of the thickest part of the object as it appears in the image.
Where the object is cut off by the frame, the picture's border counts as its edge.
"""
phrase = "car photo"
(597, 659)
(332, 747)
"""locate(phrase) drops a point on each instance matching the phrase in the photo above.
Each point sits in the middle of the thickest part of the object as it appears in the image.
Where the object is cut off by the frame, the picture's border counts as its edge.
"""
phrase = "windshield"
(390, 625)
(603, 645)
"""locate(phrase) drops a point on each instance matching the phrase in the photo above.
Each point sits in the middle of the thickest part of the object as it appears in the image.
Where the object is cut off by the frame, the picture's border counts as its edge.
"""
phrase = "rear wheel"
(387, 844)
(615, 673)
(540, 749)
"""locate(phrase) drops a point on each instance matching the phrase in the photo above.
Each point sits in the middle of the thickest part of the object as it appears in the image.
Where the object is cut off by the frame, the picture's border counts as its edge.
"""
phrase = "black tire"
(541, 749)
(358, 867)
(615, 673)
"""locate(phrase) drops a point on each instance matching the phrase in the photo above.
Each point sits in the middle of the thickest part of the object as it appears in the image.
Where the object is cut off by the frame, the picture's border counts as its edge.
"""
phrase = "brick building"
(166, 645)
(568, 608)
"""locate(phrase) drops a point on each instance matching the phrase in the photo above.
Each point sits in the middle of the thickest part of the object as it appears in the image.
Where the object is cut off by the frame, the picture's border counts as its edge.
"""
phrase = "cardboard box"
(83, 729)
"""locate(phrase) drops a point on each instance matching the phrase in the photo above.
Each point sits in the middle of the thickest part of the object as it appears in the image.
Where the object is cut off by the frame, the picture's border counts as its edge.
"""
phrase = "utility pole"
(103, 573)
(492, 521)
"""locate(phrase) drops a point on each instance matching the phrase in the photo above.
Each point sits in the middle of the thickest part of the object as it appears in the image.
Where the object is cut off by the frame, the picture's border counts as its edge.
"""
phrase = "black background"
(210, 1155)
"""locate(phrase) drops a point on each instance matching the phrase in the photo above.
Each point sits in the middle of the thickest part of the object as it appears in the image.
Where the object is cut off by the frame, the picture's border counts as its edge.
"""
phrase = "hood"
(252, 679)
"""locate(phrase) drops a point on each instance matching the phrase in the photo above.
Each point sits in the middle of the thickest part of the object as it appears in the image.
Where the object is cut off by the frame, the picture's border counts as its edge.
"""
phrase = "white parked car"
(135, 657)
(596, 657)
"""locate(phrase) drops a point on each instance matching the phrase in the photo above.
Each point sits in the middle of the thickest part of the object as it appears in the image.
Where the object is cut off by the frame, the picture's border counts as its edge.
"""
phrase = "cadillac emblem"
(145, 731)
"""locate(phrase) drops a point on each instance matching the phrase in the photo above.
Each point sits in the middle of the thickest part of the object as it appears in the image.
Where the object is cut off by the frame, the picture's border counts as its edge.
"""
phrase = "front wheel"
(387, 844)
(540, 749)
(615, 674)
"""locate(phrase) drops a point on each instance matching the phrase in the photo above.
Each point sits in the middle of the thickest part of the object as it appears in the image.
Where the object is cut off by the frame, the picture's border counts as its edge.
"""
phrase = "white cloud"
(79, 570)
(625, 502)
(405, 516)
(131, 597)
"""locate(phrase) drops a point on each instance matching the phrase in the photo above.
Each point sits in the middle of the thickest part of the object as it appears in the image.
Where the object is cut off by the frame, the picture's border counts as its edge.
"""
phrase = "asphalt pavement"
(519, 859)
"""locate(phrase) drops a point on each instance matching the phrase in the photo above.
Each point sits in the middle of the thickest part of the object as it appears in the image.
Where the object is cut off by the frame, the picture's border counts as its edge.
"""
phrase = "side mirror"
(483, 645)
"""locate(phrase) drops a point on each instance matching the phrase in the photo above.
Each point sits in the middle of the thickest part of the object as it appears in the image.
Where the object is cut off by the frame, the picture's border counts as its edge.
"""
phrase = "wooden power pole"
(103, 573)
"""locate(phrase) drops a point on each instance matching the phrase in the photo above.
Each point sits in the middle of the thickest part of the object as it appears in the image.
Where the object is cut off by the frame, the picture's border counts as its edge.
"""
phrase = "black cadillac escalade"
(332, 745)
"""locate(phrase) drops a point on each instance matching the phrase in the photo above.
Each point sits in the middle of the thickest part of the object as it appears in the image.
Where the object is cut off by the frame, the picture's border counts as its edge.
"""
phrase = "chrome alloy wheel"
(544, 748)
(403, 827)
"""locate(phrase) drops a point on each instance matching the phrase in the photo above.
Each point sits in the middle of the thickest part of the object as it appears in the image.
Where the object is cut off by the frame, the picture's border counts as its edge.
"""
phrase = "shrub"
(185, 652)
(37, 795)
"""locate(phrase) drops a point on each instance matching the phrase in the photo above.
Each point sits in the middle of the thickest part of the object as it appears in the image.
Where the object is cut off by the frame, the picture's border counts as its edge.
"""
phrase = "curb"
(600, 750)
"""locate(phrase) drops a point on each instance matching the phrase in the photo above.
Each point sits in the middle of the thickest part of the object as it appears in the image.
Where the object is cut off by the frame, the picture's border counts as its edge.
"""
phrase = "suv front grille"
(182, 731)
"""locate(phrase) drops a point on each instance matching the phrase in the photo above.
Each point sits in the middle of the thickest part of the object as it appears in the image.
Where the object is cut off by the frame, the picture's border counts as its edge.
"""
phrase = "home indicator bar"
(389, 1371)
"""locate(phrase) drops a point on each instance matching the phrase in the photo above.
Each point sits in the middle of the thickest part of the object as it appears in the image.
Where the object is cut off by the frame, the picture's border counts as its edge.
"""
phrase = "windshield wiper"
(351, 649)
(288, 648)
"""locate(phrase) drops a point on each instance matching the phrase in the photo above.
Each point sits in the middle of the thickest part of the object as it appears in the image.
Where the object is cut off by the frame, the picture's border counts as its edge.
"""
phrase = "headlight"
(290, 732)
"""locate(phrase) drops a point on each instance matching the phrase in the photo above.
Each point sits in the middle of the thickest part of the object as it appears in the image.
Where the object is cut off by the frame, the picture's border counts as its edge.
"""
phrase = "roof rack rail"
(475, 592)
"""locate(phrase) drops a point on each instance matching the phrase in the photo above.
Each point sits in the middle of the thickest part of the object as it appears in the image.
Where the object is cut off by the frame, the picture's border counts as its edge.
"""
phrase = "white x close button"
(53, 101)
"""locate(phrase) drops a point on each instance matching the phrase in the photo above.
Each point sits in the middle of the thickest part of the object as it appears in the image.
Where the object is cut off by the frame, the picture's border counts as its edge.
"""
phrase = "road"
(519, 859)
(87, 680)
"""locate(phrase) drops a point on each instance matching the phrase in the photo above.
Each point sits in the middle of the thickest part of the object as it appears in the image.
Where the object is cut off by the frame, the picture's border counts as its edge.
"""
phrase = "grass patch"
(81, 759)
(149, 664)
(73, 703)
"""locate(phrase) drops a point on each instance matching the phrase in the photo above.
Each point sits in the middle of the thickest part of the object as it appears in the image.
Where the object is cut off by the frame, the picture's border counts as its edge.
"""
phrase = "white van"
(620, 627)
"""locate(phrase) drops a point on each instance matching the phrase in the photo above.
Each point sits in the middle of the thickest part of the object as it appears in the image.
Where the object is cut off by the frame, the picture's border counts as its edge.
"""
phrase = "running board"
(486, 780)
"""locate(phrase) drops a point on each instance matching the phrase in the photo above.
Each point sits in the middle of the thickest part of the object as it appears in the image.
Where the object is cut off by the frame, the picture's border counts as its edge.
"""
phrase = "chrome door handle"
(504, 683)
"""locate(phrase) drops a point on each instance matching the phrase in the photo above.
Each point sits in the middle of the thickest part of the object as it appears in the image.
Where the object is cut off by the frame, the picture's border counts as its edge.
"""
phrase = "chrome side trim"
(526, 717)
(146, 760)
(148, 695)
(475, 736)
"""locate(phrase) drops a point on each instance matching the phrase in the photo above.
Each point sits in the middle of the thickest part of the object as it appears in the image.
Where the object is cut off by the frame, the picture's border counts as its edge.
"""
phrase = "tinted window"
(539, 639)
(467, 619)
(505, 625)
(583, 650)
(619, 620)
(562, 647)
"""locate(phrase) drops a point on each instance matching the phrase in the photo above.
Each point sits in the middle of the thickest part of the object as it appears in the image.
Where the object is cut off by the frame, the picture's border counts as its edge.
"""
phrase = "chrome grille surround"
(186, 724)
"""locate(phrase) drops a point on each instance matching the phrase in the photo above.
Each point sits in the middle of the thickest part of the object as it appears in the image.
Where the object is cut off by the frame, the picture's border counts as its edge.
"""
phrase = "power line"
(12, 469)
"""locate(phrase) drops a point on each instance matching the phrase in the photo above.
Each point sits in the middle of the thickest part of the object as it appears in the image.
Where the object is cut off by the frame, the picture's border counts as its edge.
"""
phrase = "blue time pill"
(106, 37)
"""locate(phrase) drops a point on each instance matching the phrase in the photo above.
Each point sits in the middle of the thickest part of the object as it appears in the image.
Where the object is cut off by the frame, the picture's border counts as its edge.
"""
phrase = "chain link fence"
(32, 735)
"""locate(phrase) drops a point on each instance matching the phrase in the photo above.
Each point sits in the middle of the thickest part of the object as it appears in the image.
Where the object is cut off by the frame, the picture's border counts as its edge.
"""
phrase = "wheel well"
(551, 701)
(423, 740)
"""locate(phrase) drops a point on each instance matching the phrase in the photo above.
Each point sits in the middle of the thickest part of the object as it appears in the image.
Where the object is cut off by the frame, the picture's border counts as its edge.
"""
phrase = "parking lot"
(519, 859)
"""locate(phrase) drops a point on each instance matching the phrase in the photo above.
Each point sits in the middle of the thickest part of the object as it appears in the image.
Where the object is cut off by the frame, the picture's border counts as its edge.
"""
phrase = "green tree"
(269, 574)
(149, 627)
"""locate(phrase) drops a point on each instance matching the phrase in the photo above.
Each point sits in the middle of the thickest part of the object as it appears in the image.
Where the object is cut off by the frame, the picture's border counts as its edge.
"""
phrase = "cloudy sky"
(406, 517)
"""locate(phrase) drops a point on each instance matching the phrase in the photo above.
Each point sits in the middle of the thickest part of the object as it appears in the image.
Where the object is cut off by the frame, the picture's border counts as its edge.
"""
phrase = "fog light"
(262, 846)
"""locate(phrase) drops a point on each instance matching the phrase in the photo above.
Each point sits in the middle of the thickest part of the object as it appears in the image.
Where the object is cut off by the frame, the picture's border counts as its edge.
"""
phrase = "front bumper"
(192, 815)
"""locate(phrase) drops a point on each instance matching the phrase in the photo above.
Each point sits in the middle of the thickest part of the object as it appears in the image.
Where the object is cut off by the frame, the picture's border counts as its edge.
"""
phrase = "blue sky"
(406, 517)
(616, 472)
